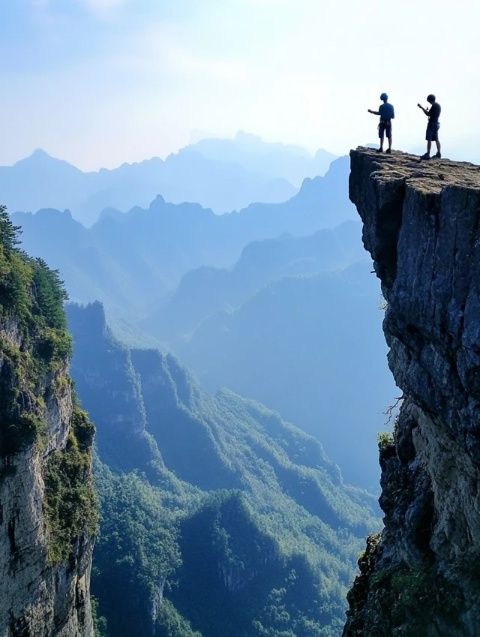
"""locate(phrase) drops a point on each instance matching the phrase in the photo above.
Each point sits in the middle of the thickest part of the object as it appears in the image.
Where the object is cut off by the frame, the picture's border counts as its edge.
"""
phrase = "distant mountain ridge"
(223, 175)
(285, 161)
(205, 291)
(128, 261)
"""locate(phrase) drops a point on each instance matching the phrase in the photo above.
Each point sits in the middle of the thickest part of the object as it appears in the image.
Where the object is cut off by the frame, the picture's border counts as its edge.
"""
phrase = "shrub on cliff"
(34, 340)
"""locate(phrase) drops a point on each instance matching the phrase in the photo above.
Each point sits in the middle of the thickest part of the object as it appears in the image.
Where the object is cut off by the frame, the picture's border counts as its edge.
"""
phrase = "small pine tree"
(50, 294)
(8, 232)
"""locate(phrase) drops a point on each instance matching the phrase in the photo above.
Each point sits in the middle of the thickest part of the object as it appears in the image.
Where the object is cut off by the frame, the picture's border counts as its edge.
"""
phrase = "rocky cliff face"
(422, 228)
(47, 507)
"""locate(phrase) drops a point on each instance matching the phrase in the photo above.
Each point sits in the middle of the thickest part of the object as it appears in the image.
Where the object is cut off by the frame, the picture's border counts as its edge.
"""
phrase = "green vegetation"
(70, 505)
(33, 340)
(204, 563)
(172, 624)
(136, 551)
(410, 597)
(385, 440)
(99, 622)
(34, 346)
(245, 528)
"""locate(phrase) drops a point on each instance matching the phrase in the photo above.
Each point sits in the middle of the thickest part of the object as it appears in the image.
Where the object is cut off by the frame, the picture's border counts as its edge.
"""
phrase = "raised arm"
(425, 110)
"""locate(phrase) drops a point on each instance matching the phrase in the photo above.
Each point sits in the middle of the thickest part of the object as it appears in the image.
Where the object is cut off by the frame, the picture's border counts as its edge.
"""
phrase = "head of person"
(431, 98)
(384, 97)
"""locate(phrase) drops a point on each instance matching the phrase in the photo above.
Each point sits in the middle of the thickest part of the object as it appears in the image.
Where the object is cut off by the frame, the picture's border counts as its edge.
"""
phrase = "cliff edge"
(422, 228)
(47, 505)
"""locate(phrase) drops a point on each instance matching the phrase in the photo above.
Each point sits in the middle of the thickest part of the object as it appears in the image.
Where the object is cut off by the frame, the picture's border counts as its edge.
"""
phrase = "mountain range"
(206, 290)
(130, 260)
(222, 175)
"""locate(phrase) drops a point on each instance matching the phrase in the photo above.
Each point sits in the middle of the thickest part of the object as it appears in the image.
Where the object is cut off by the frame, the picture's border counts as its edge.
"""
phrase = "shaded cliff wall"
(422, 228)
(47, 506)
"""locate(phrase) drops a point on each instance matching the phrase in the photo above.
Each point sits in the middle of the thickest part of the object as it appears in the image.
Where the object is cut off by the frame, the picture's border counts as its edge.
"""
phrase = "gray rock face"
(40, 595)
(422, 228)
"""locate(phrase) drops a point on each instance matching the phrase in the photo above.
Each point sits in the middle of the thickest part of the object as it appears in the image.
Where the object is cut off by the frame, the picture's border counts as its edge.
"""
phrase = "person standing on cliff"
(387, 113)
(433, 114)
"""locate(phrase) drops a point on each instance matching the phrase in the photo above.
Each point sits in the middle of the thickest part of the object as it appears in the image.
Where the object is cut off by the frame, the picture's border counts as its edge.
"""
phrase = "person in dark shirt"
(387, 113)
(433, 114)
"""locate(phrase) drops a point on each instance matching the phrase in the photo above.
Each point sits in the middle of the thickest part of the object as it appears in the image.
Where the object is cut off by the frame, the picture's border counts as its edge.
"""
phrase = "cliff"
(47, 506)
(421, 227)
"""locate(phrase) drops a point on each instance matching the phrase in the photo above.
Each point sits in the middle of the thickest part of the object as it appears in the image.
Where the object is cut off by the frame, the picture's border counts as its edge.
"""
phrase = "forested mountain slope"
(254, 531)
(311, 348)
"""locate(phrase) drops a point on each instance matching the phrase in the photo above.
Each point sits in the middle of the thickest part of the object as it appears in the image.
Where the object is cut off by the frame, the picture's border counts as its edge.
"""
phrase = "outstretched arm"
(373, 112)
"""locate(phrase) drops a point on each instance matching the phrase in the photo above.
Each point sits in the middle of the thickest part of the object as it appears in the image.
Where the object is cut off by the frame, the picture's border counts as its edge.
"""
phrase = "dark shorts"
(432, 131)
(385, 128)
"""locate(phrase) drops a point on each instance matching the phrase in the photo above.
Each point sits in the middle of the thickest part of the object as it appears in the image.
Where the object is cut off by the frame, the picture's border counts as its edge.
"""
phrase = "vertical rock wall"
(421, 220)
(47, 505)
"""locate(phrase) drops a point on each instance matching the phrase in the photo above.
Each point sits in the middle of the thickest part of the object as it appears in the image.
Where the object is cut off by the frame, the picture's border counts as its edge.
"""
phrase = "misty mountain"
(128, 261)
(196, 492)
(206, 290)
(222, 175)
(311, 348)
(285, 161)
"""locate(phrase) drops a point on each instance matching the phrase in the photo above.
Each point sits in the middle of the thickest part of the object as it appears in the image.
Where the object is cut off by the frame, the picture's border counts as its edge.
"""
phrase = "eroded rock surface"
(422, 228)
(47, 506)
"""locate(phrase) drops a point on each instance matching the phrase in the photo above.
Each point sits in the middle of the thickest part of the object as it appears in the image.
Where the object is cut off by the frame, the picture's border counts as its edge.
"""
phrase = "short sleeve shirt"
(386, 111)
(434, 112)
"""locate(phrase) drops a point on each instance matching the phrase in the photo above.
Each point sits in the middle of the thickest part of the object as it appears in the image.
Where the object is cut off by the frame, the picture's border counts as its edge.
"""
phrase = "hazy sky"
(99, 82)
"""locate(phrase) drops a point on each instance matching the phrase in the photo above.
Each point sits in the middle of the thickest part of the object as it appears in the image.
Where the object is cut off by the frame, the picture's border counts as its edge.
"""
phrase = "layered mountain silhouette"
(222, 175)
(128, 261)
(284, 161)
(206, 290)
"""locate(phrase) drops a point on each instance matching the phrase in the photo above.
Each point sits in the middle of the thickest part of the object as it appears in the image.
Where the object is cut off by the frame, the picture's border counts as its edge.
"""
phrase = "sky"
(101, 82)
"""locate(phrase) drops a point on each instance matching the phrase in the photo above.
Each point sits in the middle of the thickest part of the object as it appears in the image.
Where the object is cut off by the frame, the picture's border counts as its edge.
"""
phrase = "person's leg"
(381, 135)
(429, 147)
(439, 148)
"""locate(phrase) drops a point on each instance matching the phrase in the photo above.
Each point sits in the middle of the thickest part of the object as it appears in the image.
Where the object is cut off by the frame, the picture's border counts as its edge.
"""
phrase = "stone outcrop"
(422, 228)
(47, 506)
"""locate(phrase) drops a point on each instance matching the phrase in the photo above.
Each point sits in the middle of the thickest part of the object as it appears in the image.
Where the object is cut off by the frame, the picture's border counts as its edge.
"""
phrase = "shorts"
(432, 131)
(385, 128)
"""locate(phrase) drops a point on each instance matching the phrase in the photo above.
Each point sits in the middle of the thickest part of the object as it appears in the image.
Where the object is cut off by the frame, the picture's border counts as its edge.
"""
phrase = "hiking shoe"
(389, 151)
(426, 156)
(438, 156)
(379, 150)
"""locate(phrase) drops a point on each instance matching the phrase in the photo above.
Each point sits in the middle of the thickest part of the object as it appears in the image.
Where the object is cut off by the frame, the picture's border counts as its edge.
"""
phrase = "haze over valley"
(257, 301)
